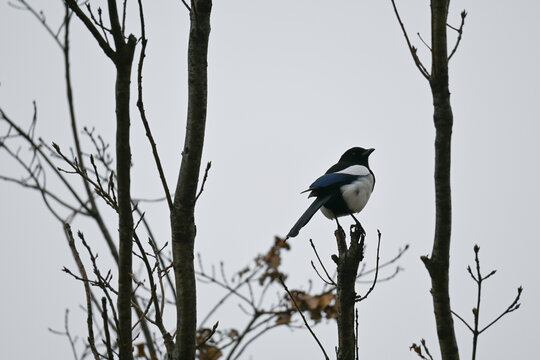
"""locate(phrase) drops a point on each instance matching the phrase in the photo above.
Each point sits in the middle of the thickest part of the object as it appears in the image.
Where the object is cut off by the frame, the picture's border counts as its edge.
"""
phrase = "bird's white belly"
(356, 194)
(328, 213)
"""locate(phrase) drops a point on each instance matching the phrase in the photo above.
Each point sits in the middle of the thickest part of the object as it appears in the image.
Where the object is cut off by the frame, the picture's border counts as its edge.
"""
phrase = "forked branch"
(412, 48)
(479, 279)
(460, 33)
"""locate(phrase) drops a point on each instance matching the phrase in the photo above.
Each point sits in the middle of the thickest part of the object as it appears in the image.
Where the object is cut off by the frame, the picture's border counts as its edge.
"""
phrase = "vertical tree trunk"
(345, 299)
(182, 215)
(347, 269)
(123, 173)
(438, 264)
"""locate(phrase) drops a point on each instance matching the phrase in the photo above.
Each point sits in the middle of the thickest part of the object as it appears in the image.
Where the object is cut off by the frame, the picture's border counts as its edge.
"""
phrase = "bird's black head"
(356, 155)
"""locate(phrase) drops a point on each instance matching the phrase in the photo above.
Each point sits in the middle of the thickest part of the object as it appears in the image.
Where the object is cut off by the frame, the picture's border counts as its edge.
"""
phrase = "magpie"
(343, 190)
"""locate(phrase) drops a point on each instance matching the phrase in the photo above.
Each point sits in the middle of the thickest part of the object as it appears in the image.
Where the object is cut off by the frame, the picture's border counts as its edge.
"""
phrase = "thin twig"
(243, 334)
(423, 342)
(35, 172)
(205, 177)
(142, 112)
(43, 190)
(422, 40)
(418, 350)
(412, 49)
(82, 271)
(303, 318)
(93, 30)
(67, 334)
(329, 280)
(40, 18)
(233, 291)
(124, 10)
(462, 320)
(169, 344)
(360, 298)
(460, 33)
(106, 328)
(254, 337)
(212, 279)
(476, 310)
(397, 270)
(186, 5)
(479, 279)
(400, 253)
(106, 195)
(99, 21)
(209, 336)
(320, 276)
(38, 150)
(513, 306)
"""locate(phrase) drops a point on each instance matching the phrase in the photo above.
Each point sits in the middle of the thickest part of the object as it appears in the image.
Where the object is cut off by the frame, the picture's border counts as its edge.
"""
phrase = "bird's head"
(356, 155)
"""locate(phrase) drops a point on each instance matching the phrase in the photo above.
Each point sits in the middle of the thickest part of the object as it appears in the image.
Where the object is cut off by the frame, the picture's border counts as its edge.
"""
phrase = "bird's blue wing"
(332, 181)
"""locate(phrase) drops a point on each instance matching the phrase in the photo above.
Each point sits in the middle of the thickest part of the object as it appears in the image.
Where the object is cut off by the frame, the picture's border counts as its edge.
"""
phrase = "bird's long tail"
(308, 214)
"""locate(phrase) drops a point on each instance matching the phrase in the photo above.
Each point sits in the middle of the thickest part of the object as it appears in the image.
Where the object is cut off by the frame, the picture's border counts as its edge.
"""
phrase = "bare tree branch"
(142, 112)
(82, 271)
(186, 5)
(360, 298)
(38, 151)
(304, 319)
(107, 341)
(67, 334)
(462, 320)
(169, 344)
(329, 280)
(209, 336)
(75, 133)
(460, 33)
(412, 49)
(40, 18)
(512, 307)
(479, 279)
(93, 30)
(205, 177)
(418, 350)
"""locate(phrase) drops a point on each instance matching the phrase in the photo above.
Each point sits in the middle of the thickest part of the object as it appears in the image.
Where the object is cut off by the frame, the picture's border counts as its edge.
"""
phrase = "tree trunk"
(347, 270)
(123, 174)
(182, 215)
(438, 263)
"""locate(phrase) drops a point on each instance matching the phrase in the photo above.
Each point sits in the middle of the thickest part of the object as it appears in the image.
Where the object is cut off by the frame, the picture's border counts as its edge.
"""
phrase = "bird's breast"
(357, 193)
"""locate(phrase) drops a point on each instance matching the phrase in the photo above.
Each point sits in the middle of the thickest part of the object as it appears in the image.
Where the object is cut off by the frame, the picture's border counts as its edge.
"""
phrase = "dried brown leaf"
(326, 299)
(243, 271)
(283, 319)
(312, 302)
(281, 243)
(209, 352)
(140, 350)
(331, 312)
(418, 350)
(233, 333)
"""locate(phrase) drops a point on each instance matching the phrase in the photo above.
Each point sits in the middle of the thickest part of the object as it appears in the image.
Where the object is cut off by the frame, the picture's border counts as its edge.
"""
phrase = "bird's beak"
(369, 151)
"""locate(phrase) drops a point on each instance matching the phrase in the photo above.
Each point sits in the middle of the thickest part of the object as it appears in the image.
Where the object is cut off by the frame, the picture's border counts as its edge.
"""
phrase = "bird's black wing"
(308, 214)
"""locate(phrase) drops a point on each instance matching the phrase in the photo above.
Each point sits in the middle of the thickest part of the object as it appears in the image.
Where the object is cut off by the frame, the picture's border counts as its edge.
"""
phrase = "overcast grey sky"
(292, 85)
